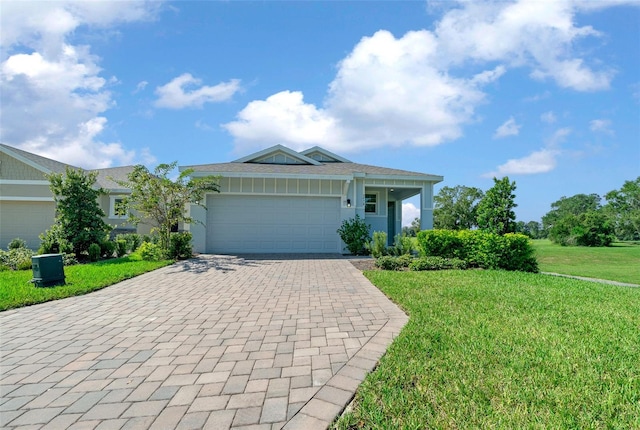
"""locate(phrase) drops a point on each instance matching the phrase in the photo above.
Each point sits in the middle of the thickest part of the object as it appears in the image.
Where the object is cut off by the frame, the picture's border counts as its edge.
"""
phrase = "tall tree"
(79, 215)
(456, 207)
(574, 205)
(495, 210)
(623, 206)
(162, 202)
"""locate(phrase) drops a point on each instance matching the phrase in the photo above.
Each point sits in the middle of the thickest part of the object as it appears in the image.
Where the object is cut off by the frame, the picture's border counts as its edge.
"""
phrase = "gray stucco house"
(281, 201)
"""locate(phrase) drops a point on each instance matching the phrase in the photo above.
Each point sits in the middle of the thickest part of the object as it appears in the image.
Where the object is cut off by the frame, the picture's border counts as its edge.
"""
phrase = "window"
(118, 207)
(371, 203)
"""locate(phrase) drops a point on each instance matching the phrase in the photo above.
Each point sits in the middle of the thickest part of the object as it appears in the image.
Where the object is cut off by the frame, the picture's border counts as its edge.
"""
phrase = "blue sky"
(546, 92)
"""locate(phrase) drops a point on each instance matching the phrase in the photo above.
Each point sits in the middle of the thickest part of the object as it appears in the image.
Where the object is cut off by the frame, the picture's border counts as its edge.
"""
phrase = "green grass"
(16, 290)
(620, 262)
(492, 349)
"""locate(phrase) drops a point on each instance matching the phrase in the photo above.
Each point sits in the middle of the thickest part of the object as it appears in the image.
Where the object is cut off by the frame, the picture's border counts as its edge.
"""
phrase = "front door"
(391, 222)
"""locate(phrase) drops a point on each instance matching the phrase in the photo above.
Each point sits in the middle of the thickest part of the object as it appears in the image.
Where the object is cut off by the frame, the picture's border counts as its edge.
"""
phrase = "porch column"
(426, 207)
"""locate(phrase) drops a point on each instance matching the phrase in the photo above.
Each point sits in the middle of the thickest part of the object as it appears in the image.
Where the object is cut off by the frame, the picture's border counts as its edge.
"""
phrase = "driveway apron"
(214, 342)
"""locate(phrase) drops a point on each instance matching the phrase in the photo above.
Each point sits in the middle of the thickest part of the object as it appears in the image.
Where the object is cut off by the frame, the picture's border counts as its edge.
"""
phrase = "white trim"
(23, 182)
(325, 152)
(237, 193)
(201, 173)
(112, 207)
(275, 149)
(26, 199)
(377, 203)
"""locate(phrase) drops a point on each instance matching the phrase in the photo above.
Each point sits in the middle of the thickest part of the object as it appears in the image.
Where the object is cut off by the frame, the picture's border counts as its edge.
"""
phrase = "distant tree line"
(578, 220)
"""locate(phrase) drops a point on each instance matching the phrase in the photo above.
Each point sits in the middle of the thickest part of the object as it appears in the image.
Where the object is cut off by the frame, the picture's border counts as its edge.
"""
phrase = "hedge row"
(513, 251)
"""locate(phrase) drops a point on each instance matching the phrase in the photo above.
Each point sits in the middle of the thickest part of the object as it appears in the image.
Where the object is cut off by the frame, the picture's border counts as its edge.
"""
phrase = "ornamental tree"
(78, 213)
(157, 200)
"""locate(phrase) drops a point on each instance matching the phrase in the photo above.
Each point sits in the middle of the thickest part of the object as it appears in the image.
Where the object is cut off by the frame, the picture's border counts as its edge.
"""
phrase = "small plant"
(94, 252)
(354, 232)
(150, 252)
(53, 241)
(402, 245)
(16, 258)
(17, 243)
(107, 248)
(69, 259)
(121, 247)
(180, 246)
(378, 246)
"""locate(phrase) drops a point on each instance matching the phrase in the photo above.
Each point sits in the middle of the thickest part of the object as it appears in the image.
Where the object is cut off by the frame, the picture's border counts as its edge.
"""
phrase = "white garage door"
(261, 224)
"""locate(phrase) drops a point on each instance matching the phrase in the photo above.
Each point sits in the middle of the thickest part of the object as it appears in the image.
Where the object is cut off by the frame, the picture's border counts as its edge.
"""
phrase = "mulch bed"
(364, 264)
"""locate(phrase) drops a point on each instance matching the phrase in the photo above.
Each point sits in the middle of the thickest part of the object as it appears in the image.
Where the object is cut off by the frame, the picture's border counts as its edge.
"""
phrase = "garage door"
(259, 224)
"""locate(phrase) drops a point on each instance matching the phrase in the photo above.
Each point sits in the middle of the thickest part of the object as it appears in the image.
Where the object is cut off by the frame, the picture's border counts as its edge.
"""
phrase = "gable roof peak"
(277, 154)
(320, 154)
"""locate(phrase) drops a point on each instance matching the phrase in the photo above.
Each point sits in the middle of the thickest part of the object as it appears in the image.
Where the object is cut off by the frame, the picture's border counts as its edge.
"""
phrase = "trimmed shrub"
(107, 248)
(378, 246)
(94, 252)
(180, 247)
(150, 252)
(437, 263)
(512, 251)
(17, 243)
(388, 262)
(121, 247)
(133, 240)
(440, 243)
(354, 232)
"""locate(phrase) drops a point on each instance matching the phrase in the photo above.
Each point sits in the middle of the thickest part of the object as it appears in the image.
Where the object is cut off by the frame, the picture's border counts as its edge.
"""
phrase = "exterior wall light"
(348, 203)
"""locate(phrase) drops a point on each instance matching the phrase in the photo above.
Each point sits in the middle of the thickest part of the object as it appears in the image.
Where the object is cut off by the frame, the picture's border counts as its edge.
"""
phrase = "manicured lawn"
(620, 262)
(17, 291)
(493, 349)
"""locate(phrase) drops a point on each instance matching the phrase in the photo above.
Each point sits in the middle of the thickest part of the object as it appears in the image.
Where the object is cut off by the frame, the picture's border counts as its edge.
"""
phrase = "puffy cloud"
(508, 128)
(422, 88)
(601, 126)
(54, 98)
(181, 92)
(541, 161)
(548, 117)
(409, 213)
(386, 92)
(537, 162)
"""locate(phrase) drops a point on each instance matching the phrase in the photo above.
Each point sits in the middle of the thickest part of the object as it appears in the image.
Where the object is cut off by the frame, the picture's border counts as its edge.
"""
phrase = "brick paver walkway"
(218, 342)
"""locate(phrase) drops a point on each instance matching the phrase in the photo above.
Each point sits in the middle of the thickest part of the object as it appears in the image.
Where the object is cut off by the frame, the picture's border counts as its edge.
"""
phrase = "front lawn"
(494, 349)
(17, 291)
(619, 262)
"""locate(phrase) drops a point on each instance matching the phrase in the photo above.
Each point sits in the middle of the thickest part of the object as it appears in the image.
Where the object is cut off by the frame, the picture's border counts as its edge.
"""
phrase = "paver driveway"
(216, 342)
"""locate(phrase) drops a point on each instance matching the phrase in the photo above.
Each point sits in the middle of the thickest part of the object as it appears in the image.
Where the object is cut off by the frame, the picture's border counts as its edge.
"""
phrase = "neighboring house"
(282, 201)
(27, 208)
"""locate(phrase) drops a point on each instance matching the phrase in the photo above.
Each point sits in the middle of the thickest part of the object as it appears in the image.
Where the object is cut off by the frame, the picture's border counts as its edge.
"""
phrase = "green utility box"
(48, 270)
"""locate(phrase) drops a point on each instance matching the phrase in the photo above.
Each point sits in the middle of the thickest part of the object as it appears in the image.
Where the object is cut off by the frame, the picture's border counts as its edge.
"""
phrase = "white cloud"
(140, 87)
(386, 92)
(422, 88)
(548, 117)
(541, 161)
(508, 128)
(537, 162)
(601, 126)
(186, 91)
(54, 98)
(409, 213)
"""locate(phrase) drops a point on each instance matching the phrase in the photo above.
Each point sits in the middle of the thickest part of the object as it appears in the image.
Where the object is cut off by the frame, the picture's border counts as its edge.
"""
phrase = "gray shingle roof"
(102, 179)
(346, 169)
(47, 163)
